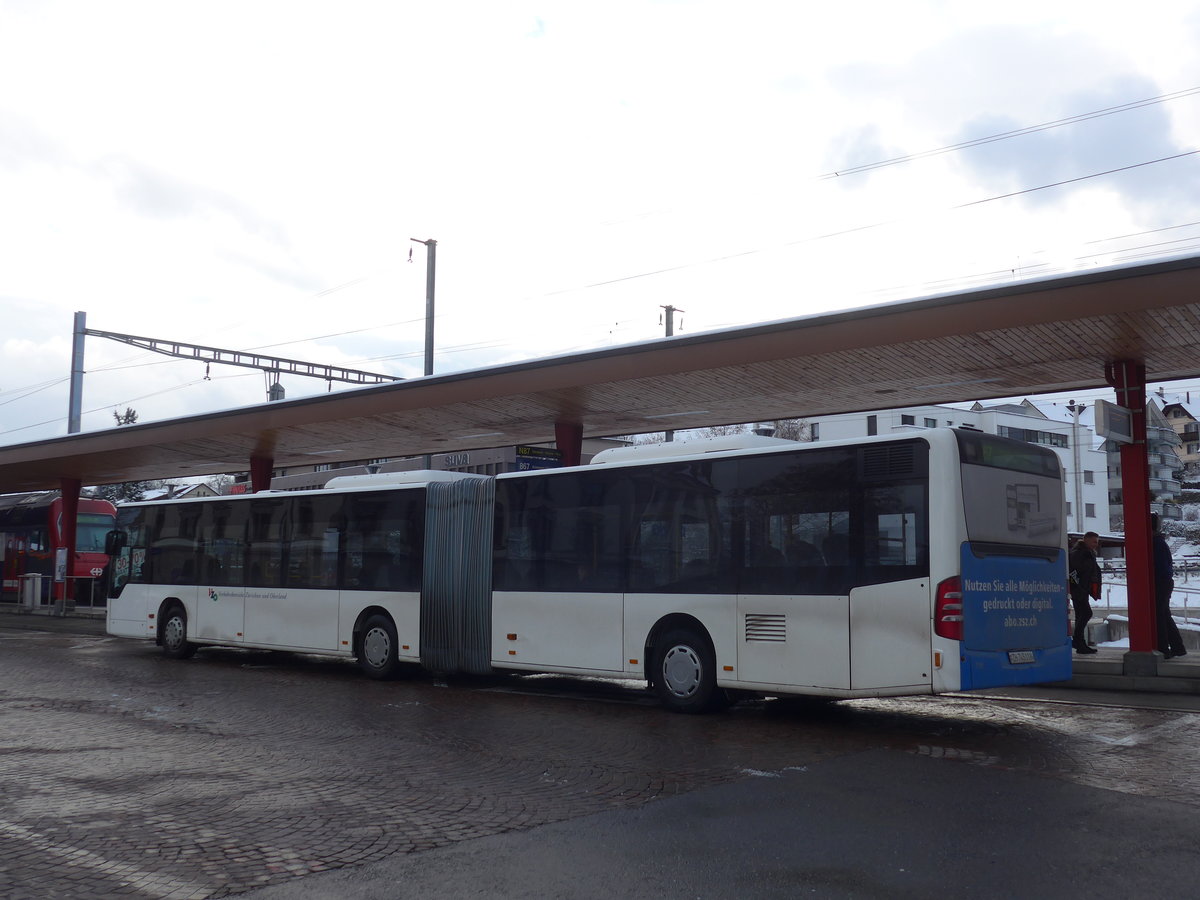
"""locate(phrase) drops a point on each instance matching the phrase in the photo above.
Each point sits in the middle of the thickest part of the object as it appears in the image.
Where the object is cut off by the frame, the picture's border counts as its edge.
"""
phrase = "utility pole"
(75, 403)
(669, 321)
(1077, 475)
(669, 318)
(430, 273)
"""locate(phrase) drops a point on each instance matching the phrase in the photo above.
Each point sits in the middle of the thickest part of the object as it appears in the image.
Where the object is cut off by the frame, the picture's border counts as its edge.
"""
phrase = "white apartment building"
(1085, 465)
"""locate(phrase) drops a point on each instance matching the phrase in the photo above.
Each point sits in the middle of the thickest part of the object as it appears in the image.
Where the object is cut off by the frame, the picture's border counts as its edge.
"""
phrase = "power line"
(860, 228)
(1055, 184)
(30, 390)
(1018, 132)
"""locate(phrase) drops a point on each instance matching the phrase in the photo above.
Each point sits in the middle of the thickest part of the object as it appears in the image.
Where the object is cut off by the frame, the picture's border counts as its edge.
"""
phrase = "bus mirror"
(113, 542)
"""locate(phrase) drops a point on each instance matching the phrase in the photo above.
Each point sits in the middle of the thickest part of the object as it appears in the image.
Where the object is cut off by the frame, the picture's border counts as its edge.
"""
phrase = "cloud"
(862, 146)
(160, 195)
(289, 277)
(1101, 144)
(22, 144)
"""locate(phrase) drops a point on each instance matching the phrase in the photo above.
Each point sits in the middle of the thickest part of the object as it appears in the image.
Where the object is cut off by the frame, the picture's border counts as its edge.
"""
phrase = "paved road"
(276, 775)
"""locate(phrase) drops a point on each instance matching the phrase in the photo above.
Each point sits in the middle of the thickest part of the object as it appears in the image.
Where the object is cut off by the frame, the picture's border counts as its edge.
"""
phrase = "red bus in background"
(31, 529)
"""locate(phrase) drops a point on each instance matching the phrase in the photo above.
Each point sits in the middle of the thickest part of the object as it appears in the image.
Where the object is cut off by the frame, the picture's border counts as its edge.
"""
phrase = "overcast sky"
(250, 174)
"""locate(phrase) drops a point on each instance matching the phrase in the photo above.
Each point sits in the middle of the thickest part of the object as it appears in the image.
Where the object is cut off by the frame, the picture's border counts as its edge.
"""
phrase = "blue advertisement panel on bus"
(1014, 619)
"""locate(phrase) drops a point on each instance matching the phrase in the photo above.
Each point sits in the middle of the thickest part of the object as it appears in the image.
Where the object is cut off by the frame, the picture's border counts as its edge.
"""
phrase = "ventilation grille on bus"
(766, 627)
(889, 460)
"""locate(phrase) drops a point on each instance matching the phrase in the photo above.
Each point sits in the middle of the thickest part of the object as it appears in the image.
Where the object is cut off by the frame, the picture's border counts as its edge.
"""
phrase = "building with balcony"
(1163, 443)
(1178, 412)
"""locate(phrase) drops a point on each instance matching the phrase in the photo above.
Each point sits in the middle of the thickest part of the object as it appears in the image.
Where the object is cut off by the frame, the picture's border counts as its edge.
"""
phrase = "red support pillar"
(70, 488)
(1128, 379)
(260, 473)
(568, 437)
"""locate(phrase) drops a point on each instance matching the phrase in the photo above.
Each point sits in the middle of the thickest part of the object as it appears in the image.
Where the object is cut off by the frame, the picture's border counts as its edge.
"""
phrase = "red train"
(31, 529)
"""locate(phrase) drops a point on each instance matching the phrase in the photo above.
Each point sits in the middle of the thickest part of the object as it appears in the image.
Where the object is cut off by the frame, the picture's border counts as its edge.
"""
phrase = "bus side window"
(385, 541)
(797, 523)
(222, 541)
(264, 559)
(681, 533)
(314, 539)
(896, 527)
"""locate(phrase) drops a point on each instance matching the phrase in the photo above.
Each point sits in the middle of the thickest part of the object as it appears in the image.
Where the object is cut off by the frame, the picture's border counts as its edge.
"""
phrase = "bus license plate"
(1016, 657)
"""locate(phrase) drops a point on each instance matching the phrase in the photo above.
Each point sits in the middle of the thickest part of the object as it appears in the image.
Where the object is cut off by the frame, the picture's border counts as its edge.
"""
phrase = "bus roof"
(722, 444)
(415, 477)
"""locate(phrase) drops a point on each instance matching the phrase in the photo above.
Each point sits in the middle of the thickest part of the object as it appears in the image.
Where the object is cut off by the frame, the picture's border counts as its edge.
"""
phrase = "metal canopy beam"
(247, 360)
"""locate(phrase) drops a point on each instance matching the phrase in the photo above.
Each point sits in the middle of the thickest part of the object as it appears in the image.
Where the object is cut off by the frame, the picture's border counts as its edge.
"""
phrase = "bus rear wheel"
(377, 648)
(174, 634)
(685, 677)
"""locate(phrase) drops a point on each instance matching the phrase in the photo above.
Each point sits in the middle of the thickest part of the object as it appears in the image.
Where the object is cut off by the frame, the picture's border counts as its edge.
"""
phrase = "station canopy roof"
(1023, 338)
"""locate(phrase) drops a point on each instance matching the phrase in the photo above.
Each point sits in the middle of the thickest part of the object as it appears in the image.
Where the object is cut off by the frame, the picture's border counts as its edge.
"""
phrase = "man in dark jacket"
(1085, 584)
(1169, 641)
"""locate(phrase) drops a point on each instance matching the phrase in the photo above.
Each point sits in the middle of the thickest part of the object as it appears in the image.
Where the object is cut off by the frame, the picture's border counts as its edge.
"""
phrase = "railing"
(41, 592)
(1188, 571)
(87, 592)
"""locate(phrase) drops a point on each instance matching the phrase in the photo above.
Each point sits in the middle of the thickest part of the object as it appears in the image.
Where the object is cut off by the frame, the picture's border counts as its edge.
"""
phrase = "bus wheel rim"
(376, 647)
(173, 632)
(682, 670)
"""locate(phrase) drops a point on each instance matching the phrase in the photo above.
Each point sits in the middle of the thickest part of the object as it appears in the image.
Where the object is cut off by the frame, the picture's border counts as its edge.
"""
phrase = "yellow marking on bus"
(633, 662)
(512, 637)
(728, 668)
(512, 652)
(937, 659)
(405, 646)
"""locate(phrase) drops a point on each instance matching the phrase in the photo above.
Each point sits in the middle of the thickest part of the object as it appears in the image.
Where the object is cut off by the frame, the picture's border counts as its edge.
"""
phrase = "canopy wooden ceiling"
(1022, 338)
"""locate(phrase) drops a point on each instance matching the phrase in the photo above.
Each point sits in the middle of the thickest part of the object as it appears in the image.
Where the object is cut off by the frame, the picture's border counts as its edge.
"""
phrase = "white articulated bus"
(918, 564)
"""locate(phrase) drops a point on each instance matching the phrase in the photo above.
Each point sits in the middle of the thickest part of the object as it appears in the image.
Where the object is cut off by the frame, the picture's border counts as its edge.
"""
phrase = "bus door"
(891, 599)
(220, 571)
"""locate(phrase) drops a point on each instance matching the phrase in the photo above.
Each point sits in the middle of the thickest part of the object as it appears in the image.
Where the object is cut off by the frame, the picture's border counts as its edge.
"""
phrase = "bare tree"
(793, 429)
(220, 483)
(715, 431)
(126, 491)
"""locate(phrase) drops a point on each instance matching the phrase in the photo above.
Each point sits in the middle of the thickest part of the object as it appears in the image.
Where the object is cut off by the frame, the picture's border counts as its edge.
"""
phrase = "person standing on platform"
(1170, 644)
(1085, 585)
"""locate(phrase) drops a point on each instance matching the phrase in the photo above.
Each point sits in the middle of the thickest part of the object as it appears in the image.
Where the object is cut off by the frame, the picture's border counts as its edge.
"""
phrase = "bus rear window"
(1005, 453)
(1012, 491)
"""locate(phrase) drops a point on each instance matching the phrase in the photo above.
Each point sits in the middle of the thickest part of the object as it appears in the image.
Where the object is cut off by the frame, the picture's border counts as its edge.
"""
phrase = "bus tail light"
(948, 613)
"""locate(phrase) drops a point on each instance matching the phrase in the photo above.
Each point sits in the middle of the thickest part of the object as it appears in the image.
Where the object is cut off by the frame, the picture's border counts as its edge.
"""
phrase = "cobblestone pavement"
(126, 774)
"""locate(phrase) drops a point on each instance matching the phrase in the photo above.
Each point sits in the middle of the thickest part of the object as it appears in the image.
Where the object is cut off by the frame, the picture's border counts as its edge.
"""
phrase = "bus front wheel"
(377, 648)
(685, 677)
(174, 635)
